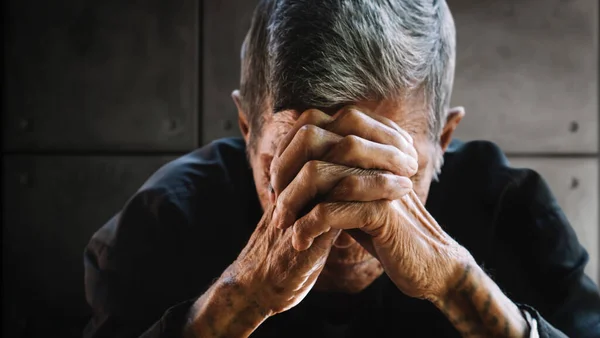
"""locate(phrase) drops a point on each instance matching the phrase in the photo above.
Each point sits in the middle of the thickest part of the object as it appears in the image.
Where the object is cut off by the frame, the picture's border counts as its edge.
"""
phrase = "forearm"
(225, 310)
(477, 307)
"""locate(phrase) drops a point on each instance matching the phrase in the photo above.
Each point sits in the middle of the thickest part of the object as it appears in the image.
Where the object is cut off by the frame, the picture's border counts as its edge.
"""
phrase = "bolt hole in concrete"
(227, 125)
(173, 124)
(24, 179)
(24, 124)
(574, 183)
(574, 126)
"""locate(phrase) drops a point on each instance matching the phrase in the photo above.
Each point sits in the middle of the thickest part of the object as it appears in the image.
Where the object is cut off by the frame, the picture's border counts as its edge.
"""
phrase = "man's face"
(349, 268)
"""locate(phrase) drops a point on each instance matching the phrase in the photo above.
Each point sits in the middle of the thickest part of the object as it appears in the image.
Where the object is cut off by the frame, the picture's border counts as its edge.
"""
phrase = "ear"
(242, 117)
(453, 118)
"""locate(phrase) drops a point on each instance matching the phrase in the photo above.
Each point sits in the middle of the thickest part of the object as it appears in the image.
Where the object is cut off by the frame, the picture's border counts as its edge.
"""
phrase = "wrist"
(474, 303)
(228, 308)
(461, 269)
(459, 283)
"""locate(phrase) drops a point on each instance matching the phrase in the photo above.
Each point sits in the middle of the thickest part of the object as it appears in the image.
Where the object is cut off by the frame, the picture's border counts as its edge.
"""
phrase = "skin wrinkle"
(419, 213)
(409, 245)
(348, 268)
(482, 320)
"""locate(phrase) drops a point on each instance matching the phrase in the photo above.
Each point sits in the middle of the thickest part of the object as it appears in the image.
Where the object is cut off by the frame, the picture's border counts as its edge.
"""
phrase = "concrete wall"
(100, 94)
(527, 74)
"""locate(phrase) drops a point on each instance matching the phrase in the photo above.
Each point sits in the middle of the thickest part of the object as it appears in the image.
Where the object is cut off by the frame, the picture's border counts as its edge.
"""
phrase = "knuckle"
(300, 228)
(397, 157)
(352, 112)
(381, 181)
(349, 114)
(310, 168)
(311, 115)
(308, 131)
(320, 212)
(282, 202)
(351, 184)
(404, 163)
(351, 141)
(348, 145)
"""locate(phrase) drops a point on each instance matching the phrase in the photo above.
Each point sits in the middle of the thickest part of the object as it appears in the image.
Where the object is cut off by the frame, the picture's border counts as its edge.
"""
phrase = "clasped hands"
(346, 172)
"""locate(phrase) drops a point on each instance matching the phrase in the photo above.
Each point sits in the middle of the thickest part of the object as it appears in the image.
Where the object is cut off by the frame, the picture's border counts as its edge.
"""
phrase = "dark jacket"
(145, 267)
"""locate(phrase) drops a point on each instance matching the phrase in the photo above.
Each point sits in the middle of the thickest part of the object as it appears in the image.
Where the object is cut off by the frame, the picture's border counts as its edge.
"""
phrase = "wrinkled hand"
(358, 167)
(274, 276)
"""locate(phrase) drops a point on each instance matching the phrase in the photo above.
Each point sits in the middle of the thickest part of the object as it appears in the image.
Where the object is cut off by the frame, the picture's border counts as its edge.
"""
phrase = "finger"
(367, 188)
(315, 178)
(313, 259)
(367, 216)
(380, 118)
(322, 244)
(354, 151)
(351, 121)
(311, 262)
(319, 178)
(309, 143)
(313, 117)
(312, 143)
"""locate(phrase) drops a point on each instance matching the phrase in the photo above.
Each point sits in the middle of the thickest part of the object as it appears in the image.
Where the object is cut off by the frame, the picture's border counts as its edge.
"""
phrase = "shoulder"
(515, 204)
(216, 173)
(198, 182)
(187, 194)
(477, 171)
(480, 196)
(482, 168)
(220, 163)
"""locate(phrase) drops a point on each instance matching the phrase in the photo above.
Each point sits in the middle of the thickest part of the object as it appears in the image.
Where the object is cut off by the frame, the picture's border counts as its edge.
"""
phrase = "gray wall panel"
(101, 75)
(53, 205)
(574, 183)
(225, 24)
(527, 73)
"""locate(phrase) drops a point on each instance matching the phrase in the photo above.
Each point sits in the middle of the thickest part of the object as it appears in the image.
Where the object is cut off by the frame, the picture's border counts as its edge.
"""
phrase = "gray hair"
(325, 53)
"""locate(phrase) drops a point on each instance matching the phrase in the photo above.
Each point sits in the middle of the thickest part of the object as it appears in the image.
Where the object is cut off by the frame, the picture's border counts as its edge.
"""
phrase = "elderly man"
(333, 216)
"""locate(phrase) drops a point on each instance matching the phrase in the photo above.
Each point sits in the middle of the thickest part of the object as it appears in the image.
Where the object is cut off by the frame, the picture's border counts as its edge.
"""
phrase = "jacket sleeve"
(534, 239)
(135, 274)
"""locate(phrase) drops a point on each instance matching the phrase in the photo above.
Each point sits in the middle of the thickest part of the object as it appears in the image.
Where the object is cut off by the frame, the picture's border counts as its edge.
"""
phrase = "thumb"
(322, 244)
